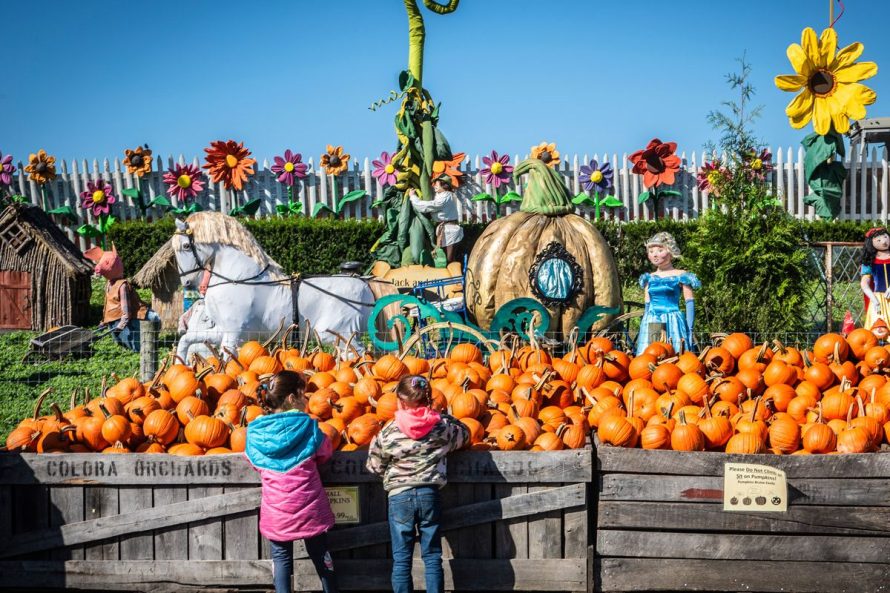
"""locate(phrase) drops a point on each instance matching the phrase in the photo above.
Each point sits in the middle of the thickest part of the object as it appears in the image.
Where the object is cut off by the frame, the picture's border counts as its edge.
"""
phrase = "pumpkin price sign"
(344, 502)
(750, 487)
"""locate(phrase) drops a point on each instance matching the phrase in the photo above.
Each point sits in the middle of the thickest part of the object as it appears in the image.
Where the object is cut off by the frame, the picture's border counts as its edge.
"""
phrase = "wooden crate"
(512, 521)
(661, 526)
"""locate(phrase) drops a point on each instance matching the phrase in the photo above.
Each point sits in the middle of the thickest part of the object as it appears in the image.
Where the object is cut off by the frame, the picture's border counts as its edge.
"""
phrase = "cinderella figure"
(663, 288)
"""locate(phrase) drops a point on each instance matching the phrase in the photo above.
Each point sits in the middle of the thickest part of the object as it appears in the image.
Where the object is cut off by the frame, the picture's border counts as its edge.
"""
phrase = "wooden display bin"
(512, 521)
(661, 525)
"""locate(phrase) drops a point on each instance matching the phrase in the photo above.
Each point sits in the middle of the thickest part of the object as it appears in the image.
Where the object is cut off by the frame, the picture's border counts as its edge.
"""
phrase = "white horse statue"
(250, 297)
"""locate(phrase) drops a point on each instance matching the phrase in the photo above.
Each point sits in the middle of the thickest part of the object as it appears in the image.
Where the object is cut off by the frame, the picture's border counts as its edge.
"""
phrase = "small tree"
(746, 249)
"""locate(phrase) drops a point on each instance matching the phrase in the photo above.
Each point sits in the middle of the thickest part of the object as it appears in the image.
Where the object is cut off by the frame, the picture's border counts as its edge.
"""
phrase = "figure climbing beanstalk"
(410, 236)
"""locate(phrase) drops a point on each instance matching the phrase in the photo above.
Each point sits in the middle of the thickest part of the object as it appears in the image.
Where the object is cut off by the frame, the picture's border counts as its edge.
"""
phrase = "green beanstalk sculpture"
(410, 236)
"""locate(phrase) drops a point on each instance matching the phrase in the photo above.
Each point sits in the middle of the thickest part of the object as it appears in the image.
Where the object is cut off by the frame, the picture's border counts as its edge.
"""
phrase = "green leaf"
(510, 196)
(581, 199)
(643, 197)
(160, 201)
(352, 196)
(88, 230)
(611, 202)
(251, 207)
(319, 208)
(65, 211)
(105, 223)
(133, 192)
(670, 193)
(483, 197)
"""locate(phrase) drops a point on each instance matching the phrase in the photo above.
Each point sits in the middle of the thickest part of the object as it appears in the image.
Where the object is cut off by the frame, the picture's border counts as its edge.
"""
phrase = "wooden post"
(829, 286)
(148, 349)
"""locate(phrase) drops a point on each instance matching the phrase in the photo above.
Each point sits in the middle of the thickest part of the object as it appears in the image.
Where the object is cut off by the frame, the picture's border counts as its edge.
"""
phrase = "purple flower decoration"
(496, 170)
(758, 164)
(595, 177)
(184, 182)
(384, 171)
(98, 197)
(6, 169)
(711, 176)
(289, 167)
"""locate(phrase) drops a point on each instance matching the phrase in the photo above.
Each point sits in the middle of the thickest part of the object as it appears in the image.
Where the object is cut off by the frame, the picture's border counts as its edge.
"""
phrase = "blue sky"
(87, 79)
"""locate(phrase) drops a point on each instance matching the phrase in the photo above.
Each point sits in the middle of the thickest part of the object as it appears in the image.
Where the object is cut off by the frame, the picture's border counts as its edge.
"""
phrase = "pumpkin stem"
(74, 398)
(682, 416)
(274, 336)
(305, 339)
(40, 399)
(754, 409)
(286, 335)
(104, 387)
(545, 192)
(588, 397)
(762, 352)
(630, 404)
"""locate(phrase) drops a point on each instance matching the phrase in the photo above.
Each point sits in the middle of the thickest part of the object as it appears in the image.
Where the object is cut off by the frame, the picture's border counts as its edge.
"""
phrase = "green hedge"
(317, 246)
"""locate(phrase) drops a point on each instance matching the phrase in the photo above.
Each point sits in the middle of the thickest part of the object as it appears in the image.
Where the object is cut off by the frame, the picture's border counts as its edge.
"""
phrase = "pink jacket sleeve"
(324, 452)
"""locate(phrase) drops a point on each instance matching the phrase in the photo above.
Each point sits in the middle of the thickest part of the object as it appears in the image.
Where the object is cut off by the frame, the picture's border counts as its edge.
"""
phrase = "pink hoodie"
(416, 423)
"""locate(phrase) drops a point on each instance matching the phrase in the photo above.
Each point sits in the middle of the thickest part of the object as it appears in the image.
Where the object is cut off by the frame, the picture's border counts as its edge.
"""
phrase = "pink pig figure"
(123, 309)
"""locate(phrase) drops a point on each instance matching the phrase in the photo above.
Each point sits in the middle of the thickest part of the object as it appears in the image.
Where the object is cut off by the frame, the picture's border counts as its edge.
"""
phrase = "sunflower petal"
(856, 72)
(856, 97)
(802, 103)
(840, 121)
(800, 61)
(810, 44)
(847, 56)
(821, 116)
(827, 47)
(791, 82)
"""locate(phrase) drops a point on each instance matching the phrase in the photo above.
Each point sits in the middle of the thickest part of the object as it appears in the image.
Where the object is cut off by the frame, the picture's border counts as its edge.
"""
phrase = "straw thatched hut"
(44, 278)
(160, 275)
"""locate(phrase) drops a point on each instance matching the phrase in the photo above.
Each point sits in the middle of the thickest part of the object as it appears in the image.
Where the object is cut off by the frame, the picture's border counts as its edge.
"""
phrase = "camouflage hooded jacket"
(406, 463)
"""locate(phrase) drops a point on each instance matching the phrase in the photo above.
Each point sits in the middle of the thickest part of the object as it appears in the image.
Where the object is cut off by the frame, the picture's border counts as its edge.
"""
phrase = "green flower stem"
(334, 196)
(43, 195)
(655, 197)
(596, 202)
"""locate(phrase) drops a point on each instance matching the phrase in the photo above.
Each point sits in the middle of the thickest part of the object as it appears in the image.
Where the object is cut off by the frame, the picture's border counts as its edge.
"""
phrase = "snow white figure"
(663, 288)
(874, 283)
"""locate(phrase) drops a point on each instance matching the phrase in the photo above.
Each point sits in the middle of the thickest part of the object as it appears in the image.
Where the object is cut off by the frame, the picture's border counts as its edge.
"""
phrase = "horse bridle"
(202, 267)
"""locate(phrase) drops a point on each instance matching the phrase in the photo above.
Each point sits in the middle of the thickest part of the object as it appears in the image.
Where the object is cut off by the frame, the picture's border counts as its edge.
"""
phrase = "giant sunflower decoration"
(827, 83)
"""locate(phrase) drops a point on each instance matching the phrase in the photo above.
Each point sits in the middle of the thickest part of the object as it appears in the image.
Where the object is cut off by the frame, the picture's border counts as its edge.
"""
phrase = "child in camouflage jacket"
(410, 455)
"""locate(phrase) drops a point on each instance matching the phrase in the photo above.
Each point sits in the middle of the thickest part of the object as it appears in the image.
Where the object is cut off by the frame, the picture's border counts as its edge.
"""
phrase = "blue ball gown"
(664, 307)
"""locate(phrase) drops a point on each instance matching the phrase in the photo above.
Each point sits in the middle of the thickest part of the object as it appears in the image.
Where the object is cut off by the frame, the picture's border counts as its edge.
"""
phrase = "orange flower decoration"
(547, 153)
(657, 163)
(335, 161)
(138, 161)
(450, 168)
(229, 162)
(41, 167)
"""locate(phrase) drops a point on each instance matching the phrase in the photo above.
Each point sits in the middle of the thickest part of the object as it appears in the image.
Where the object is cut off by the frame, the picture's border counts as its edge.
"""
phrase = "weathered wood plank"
(510, 535)
(641, 461)
(711, 517)
(461, 574)
(205, 537)
(135, 502)
(127, 523)
(171, 543)
(225, 470)
(516, 507)
(6, 505)
(848, 492)
(483, 534)
(101, 502)
(240, 531)
(67, 508)
(363, 575)
(30, 507)
(544, 531)
(574, 529)
(466, 536)
(643, 574)
(736, 546)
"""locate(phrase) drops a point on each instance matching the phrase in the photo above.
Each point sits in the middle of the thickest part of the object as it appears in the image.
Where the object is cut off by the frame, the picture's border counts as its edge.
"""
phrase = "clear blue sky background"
(87, 79)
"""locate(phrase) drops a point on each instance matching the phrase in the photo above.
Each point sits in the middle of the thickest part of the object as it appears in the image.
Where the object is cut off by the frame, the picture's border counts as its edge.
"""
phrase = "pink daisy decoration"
(384, 171)
(98, 197)
(496, 170)
(289, 167)
(184, 182)
(6, 169)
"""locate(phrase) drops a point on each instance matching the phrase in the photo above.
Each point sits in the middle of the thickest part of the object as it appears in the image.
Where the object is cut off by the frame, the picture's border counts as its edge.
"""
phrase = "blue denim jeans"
(410, 512)
(129, 336)
(283, 564)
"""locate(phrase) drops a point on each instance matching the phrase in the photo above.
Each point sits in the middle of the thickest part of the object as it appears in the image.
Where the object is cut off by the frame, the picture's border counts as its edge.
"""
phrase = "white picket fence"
(865, 196)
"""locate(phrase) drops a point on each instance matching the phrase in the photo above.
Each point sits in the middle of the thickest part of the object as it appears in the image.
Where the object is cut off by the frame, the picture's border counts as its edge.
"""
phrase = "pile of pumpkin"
(734, 397)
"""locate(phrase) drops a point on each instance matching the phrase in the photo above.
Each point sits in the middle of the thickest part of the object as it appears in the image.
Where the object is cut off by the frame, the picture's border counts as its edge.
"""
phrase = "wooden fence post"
(148, 349)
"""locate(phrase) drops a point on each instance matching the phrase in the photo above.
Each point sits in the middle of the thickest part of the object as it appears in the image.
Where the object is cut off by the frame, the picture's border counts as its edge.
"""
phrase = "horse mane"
(216, 227)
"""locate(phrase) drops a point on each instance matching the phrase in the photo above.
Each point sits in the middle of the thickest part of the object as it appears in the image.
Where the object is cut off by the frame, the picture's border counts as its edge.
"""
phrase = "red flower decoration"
(657, 163)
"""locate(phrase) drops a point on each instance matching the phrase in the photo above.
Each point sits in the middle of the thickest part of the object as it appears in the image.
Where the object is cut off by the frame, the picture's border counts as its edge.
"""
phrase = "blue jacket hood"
(280, 442)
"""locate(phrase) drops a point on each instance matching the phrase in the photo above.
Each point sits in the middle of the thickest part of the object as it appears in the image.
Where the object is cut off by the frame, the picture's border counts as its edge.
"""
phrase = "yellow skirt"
(883, 311)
